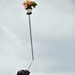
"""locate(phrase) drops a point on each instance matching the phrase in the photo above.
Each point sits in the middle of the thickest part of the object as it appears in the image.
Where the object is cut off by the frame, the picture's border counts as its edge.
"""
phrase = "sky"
(53, 23)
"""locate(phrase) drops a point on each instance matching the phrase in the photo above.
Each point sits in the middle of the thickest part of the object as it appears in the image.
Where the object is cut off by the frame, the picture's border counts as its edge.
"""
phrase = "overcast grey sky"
(53, 24)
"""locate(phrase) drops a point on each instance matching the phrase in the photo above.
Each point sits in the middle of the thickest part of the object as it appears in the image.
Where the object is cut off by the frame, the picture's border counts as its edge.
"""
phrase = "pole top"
(28, 5)
(29, 11)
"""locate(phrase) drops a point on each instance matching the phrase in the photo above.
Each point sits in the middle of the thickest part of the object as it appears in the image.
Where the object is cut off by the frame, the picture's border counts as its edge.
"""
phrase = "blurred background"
(53, 31)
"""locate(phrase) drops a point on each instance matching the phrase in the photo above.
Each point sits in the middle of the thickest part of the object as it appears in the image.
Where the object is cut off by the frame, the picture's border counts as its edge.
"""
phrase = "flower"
(29, 4)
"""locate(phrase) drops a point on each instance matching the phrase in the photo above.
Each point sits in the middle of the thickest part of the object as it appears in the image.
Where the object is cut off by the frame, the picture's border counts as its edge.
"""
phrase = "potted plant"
(28, 5)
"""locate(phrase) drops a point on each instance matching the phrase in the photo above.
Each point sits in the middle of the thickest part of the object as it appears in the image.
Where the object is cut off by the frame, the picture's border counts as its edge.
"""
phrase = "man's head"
(23, 72)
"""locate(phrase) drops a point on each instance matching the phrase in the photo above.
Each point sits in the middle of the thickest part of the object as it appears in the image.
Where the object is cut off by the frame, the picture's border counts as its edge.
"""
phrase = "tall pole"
(31, 42)
(28, 5)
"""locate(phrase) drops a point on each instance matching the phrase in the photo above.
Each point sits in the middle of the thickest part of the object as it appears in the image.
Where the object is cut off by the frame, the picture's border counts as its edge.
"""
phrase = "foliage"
(29, 4)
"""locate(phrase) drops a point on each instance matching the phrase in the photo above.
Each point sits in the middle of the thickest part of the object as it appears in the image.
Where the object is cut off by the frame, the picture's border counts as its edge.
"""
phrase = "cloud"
(42, 73)
(53, 37)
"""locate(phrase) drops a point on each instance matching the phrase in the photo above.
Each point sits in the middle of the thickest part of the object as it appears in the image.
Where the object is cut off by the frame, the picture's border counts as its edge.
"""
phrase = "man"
(23, 72)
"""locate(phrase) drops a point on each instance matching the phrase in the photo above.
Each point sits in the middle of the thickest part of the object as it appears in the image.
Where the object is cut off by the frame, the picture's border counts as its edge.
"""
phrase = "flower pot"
(29, 11)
